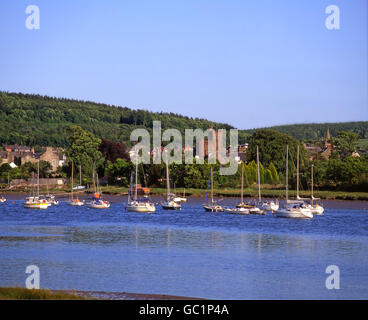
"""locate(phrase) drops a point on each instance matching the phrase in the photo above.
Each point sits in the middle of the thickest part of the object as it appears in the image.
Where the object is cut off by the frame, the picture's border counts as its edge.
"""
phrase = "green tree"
(83, 147)
(346, 143)
(273, 174)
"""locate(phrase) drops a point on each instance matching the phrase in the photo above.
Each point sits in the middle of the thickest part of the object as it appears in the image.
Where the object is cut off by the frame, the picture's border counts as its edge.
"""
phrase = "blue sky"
(247, 63)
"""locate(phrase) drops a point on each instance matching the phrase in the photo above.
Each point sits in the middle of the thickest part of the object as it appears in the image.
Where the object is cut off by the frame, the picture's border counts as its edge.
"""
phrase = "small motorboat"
(2, 200)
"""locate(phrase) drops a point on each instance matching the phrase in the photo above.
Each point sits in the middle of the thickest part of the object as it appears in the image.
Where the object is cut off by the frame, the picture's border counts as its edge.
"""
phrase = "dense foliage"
(40, 120)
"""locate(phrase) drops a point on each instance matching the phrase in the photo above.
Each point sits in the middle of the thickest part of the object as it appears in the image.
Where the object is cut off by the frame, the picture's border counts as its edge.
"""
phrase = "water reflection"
(193, 254)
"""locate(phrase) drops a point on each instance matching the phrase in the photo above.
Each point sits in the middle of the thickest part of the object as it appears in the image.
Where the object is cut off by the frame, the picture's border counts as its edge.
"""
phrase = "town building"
(19, 155)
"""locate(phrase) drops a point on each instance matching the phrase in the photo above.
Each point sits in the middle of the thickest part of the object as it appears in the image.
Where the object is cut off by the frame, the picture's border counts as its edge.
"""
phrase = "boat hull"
(241, 211)
(36, 205)
(76, 203)
(296, 214)
(213, 208)
(95, 205)
(270, 206)
(140, 208)
(317, 210)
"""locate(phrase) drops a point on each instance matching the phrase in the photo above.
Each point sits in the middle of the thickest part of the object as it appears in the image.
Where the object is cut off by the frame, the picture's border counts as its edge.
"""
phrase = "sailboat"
(97, 202)
(211, 206)
(240, 209)
(74, 201)
(316, 208)
(170, 203)
(79, 187)
(179, 199)
(2, 199)
(134, 205)
(308, 202)
(35, 202)
(292, 209)
(49, 197)
(268, 205)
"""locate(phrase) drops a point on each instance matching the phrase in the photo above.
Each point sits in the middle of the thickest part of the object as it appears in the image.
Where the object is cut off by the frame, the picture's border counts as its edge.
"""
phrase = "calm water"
(187, 253)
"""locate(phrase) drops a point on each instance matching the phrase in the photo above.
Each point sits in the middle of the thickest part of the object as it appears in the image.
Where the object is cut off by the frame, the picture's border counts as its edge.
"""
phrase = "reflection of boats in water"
(212, 205)
(293, 208)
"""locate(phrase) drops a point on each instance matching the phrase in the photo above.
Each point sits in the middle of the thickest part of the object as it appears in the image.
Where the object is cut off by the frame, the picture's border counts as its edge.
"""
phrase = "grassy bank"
(33, 294)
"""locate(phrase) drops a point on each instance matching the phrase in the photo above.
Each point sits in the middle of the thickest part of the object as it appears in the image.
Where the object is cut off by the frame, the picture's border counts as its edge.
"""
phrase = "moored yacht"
(36, 202)
(211, 206)
(133, 203)
(170, 203)
(292, 209)
(74, 201)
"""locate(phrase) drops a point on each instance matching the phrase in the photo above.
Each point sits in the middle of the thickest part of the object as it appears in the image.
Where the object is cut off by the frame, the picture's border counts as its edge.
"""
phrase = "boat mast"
(93, 178)
(312, 183)
(72, 180)
(136, 181)
(38, 178)
(242, 183)
(211, 185)
(297, 174)
(80, 175)
(287, 177)
(167, 180)
(259, 178)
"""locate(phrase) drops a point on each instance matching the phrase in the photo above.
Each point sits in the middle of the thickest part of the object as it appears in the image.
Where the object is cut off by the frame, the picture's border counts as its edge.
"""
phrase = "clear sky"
(248, 63)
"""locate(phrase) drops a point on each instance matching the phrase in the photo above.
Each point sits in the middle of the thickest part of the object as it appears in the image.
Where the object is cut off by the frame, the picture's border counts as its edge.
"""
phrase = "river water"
(188, 253)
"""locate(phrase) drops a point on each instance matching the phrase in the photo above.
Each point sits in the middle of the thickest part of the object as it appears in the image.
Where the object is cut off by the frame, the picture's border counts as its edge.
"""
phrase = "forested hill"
(317, 131)
(37, 120)
(40, 120)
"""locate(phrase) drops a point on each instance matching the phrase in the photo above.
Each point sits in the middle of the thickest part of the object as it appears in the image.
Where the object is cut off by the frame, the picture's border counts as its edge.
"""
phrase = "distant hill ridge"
(30, 119)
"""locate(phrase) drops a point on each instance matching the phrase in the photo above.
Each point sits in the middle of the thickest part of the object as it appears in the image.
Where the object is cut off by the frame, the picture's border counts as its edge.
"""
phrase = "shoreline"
(103, 295)
(201, 193)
